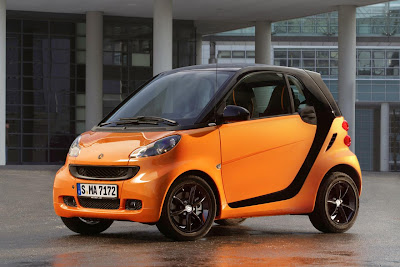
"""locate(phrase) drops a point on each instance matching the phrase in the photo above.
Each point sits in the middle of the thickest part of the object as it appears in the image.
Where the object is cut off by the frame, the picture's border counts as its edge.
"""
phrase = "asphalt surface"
(32, 235)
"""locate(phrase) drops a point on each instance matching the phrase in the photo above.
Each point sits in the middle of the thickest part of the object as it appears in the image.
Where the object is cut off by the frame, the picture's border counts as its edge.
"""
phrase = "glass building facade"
(311, 43)
(45, 72)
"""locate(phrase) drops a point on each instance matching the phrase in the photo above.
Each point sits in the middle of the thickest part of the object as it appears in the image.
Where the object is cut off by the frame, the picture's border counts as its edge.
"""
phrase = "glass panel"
(379, 54)
(308, 53)
(32, 26)
(323, 71)
(58, 155)
(13, 111)
(378, 72)
(294, 63)
(294, 54)
(334, 54)
(224, 54)
(322, 54)
(141, 60)
(35, 126)
(280, 54)
(250, 54)
(14, 126)
(13, 25)
(81, 29)
(35, 141)
(62, 28)
(299, 98)
(34, 155)
(13, 156)
(308, 63)
(238, 54)
(322, 63)
(261, 94)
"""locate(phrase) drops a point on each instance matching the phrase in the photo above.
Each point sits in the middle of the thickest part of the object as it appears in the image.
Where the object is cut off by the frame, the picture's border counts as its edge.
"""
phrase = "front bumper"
(148, 186)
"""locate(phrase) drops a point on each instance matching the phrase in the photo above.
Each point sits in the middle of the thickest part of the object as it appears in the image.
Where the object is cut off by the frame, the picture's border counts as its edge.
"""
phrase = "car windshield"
(174, 99)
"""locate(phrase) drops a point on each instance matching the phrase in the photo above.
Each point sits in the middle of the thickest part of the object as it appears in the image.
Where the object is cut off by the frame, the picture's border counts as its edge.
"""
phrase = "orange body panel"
(304, 201)
(258, 160)
(200, 150)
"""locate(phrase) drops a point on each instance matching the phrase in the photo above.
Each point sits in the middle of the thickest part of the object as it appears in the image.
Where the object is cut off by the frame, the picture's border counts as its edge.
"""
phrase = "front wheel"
(337, 203)
(189, 209)
(86, 226)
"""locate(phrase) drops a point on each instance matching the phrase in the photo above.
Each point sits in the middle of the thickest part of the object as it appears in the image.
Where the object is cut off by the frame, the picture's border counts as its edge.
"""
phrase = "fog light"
(69, 201)
(133, 204)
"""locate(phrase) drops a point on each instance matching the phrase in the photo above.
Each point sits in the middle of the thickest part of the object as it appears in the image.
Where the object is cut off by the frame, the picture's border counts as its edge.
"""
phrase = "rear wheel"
(87, 226)
(189, 209)
(230, 222)
(337, 203)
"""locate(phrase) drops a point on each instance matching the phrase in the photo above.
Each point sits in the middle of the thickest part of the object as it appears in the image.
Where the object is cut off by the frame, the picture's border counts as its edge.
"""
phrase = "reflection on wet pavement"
(224, 246)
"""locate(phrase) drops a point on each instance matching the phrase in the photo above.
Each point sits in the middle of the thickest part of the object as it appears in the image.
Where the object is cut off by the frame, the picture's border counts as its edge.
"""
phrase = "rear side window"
(299, 99)
(262, 94)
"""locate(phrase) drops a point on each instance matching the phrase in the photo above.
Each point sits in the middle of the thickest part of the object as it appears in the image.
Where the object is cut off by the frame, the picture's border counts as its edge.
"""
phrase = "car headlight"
(156, 148)
(74, 149)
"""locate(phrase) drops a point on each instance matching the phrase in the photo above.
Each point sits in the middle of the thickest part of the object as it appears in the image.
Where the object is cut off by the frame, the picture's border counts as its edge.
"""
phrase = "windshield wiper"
(142, 120)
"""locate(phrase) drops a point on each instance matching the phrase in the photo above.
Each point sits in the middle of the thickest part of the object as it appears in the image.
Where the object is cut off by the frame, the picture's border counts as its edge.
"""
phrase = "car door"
(262, 155)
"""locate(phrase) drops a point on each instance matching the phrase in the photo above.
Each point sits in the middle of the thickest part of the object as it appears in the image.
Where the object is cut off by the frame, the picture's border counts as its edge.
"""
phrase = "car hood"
(114, 147)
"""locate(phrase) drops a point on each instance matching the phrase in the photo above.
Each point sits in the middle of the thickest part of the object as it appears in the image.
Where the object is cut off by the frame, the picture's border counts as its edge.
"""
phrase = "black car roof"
(242, 67)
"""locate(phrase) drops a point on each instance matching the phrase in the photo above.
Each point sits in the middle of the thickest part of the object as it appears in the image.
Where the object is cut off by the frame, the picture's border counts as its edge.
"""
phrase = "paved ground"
(32, 235)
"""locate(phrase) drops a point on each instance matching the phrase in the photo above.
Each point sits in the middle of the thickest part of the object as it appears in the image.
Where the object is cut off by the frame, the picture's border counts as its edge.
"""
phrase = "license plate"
(97, 190)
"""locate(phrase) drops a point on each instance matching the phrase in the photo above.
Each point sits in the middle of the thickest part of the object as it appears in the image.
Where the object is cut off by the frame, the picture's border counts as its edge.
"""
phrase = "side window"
(262, 94)
(302, 103)
(299, 98)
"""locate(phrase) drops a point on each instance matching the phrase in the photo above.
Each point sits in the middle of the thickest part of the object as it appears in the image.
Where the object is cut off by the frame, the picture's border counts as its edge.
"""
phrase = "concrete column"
(385, 115)
(347, 66)
(199, 49)
(162, 36)
(263, 44)
(213, 56)
(2, 82)
(94, 69)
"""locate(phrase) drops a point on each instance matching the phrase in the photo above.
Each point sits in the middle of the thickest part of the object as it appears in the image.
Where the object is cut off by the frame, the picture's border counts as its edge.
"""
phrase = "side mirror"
(235, 113)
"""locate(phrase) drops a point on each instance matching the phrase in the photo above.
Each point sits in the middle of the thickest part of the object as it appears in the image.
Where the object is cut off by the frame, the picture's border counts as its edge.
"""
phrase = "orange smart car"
(202, 144)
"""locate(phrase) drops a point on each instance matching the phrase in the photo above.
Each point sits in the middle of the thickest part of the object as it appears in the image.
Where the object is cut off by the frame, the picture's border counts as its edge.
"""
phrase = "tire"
(337, 204)
(189, 209)
(87, 226)
(230, 222)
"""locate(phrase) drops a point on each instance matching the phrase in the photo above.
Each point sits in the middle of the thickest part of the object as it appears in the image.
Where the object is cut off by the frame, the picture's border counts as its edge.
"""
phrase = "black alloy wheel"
(337, 204)
(189, 209)
(341, 203)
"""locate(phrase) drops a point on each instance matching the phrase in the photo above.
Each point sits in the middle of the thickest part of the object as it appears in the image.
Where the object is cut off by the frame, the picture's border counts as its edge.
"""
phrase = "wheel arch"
(207, 178)
(350, 171)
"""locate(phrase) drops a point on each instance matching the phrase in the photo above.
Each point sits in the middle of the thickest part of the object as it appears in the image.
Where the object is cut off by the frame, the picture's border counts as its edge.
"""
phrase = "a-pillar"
(384, 166)
(94, 69)
(162, 36)
(263, 44)
(347, 66)
(199, 49)
(2, 82)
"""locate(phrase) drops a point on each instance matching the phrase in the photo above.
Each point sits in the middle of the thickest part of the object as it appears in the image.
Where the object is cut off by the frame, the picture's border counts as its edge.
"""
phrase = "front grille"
(103, 172)
(105, 204)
